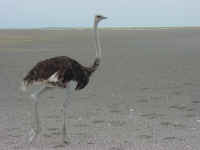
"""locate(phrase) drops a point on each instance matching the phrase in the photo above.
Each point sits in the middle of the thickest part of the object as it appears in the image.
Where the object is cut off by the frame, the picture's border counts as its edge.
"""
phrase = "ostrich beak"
(104, 17)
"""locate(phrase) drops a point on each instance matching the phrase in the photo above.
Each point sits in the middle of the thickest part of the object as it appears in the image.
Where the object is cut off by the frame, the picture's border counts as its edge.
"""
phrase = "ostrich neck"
(97, 41)
(96, 62)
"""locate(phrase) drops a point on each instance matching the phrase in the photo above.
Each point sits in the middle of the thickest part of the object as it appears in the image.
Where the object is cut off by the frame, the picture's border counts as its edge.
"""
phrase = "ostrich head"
(98, 18)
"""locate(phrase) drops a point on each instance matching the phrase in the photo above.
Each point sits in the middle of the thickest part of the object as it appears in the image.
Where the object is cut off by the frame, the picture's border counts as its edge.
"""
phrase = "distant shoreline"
(109, 28)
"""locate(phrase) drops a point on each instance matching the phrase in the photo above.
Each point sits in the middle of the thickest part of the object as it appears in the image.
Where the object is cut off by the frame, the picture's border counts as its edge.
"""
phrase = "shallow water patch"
(152, 115)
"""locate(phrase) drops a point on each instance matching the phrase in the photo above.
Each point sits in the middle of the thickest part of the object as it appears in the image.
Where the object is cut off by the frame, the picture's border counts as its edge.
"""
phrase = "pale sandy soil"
(146, 96)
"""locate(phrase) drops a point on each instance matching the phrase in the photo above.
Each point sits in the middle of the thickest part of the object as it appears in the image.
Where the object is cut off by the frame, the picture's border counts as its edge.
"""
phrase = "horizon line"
(82, 28)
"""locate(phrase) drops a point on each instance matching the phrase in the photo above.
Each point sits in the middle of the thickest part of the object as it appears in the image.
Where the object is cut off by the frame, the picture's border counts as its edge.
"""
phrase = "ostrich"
(61, 72)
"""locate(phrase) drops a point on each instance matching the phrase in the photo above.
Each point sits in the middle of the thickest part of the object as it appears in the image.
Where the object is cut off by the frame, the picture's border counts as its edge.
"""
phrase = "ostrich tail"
(23, 87)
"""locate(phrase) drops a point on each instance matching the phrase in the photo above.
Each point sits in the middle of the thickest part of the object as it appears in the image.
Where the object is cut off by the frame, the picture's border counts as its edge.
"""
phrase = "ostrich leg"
(69, 90)
(65, 137)
(35, 129)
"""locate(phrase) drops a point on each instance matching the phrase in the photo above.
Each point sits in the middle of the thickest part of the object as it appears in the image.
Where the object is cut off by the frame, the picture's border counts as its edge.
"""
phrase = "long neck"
(97, 41)
(97, 60)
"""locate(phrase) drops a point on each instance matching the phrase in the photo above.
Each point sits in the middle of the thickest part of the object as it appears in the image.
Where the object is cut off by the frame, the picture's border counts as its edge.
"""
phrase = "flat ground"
(145, 96)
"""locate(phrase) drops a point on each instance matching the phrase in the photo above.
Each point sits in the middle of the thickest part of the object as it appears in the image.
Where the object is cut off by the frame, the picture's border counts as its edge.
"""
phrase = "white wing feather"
(53, 78)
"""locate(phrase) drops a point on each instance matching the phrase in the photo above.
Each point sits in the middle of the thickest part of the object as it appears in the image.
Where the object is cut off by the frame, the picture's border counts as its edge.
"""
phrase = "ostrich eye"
(98, 16)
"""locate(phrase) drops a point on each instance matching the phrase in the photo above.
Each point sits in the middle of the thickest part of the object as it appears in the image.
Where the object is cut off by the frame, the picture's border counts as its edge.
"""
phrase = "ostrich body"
(63, 72)
(58, 71)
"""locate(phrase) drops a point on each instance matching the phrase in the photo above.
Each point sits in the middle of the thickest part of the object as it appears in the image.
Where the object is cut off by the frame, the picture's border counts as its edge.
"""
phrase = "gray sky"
(79, 13)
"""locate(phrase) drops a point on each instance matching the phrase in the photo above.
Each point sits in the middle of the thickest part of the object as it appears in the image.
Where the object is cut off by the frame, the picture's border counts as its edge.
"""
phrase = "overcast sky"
(79, 13)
